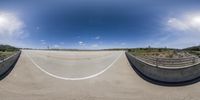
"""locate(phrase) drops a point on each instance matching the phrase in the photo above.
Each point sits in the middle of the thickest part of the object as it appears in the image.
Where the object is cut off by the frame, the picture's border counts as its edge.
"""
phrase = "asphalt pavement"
(84, 75)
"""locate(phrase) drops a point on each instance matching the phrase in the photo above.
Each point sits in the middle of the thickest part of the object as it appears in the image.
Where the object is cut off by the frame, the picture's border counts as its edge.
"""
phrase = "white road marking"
(64, 78)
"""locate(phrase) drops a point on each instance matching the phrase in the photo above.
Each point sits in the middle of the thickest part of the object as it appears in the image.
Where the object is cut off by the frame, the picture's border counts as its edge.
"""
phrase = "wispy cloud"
(180, 32)
(97, 37)
(123, 43)
(81, 43)
(56, 46)
(43, 42)
(95, 45)
(12, 29)
(188, 23)
(10, 25)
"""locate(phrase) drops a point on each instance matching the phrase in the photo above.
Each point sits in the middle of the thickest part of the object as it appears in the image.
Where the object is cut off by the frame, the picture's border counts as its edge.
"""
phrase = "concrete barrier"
(7, 64)
(165, 76)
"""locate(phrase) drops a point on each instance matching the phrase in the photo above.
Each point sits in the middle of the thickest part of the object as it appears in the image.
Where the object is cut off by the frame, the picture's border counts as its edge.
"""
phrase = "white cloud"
(187, 23)
(97, 37)
(12, 30)
(10, 25)
(56, 46)
(43, 42)
(95, 46)
(181, 32)
(178, 24)
(123, 43)
(81, 43)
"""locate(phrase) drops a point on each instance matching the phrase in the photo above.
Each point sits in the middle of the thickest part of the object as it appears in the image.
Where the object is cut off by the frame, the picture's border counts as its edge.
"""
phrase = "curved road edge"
(75, 79)
(165, 76)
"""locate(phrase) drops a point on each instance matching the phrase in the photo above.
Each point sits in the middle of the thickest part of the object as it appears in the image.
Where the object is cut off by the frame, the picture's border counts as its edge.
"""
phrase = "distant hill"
(7, 48)
(194, 48)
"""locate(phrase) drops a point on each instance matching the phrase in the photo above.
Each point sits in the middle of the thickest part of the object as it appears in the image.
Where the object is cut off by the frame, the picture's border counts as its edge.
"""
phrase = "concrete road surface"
(95, 75)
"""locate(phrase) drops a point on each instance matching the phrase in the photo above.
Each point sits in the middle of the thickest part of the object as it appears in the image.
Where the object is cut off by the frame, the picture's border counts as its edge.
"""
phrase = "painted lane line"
(64, 78)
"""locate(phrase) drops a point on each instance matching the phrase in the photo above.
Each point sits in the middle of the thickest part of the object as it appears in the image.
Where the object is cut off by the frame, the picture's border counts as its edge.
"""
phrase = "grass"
(5, 54)
(160, 53)
(163, 53)
(195, 53)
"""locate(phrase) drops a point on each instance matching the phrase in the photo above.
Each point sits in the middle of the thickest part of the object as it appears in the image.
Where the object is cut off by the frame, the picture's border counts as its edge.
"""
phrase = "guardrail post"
(157, 62)
(193, 60)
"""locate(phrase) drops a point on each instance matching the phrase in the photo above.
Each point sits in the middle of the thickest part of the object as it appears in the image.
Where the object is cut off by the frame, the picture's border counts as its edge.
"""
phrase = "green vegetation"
(160, 52)
(194, 50)
(6, 54)
(8, 48)
(195, 53)
(154, 52)
(6, 51)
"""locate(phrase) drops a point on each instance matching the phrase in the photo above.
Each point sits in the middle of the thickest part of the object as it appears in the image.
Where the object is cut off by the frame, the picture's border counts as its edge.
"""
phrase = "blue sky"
(96, 24)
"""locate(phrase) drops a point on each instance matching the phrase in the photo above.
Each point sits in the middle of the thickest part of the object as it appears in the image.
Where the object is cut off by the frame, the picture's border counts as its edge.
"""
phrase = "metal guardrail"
(7, 64)
(170, 76)
(10, 56)
(171, 62)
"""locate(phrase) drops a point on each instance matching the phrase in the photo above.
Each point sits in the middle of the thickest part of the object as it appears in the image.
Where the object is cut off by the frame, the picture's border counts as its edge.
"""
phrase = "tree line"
(8, 48)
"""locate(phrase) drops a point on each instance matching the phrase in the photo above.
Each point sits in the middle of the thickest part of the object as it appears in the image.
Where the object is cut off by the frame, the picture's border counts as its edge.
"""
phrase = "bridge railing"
(8, 63)
(163, 75)
(171, 62)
